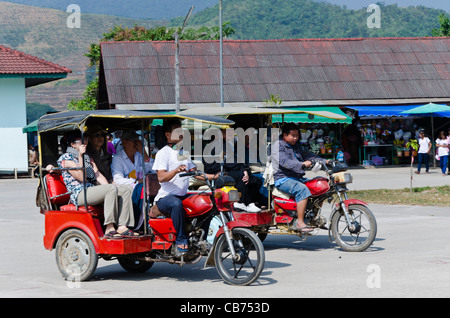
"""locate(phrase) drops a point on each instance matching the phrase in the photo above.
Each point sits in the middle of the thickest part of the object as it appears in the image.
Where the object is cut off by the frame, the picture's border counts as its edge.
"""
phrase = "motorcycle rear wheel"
(250, 262)
(360, 238)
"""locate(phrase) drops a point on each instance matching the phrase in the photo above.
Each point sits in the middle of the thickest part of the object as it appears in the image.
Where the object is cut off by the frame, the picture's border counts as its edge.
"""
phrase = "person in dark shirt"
(289, 174)
(247, 184)
(97, 150)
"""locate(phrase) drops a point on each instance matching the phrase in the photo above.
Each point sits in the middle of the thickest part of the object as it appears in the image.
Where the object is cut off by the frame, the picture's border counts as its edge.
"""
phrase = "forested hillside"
(276, 19)
(44, 33)
(138, 9)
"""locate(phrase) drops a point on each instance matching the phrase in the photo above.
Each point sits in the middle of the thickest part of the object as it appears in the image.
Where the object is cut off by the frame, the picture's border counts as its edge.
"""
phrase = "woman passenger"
(118, 207)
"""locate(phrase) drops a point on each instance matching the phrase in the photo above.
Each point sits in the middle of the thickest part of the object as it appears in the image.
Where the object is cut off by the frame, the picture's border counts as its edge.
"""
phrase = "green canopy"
(308, 118)
(31, 127)
(429, 108)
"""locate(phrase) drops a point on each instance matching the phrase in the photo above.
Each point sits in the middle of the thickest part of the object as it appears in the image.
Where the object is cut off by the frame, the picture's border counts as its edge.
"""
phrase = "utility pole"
(177, 60)
(221, 53)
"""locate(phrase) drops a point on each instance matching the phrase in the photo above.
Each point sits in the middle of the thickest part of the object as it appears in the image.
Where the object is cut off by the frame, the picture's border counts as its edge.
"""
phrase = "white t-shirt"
(424, 145)
(442, 151)
(167, 159)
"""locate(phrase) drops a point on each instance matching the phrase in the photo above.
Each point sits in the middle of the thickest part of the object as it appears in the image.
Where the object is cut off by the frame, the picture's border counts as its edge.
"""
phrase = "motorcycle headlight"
(343, 177)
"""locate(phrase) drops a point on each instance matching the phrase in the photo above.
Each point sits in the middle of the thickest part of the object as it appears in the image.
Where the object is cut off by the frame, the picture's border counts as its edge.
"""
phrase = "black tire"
(76, 256)
(364, 233)
(248, 267)
(135, 266)
(262, 236)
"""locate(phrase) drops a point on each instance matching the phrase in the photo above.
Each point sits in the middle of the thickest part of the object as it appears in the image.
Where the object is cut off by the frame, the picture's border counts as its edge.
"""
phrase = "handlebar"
(331, 167)
(188, 174)
(218, 183)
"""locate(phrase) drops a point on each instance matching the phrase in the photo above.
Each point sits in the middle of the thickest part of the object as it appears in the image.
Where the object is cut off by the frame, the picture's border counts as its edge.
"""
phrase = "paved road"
(410, 257)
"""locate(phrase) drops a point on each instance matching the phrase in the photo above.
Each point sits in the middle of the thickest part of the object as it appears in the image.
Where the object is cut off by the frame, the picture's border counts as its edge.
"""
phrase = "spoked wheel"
(248, 264)
(360, 234)
(75, 255)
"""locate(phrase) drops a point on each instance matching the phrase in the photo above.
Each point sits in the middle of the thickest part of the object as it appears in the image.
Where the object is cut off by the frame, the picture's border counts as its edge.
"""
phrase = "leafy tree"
(36, 110)
(444, 29)
(89, 102)
(159, 33)
(287, 19)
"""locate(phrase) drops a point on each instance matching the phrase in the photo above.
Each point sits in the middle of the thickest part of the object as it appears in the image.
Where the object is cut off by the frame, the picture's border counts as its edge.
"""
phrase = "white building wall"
(13, 142)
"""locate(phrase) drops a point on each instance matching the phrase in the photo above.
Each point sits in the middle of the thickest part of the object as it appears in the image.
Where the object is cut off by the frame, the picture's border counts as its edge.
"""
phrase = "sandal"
(180, 250)
(112, 235)
(129, 233)
(304, 230)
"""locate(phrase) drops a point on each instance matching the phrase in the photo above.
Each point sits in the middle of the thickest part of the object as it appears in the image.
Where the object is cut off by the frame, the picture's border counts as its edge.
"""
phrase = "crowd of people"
(442, 145)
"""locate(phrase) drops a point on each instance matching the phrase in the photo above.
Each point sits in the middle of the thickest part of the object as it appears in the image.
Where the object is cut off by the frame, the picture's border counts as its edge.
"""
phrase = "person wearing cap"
(126, 164)
(126, 169)
(96, 149)
(118, 207)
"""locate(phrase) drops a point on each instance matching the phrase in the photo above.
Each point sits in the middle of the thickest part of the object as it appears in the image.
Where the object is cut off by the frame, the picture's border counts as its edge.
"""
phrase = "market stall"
(386, 132)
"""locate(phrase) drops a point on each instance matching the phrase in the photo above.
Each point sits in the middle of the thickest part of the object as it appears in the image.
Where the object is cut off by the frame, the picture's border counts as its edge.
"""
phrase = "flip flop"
(112, 235)
(179, 251)
(129, 233)
(305, 231)
(302, 230)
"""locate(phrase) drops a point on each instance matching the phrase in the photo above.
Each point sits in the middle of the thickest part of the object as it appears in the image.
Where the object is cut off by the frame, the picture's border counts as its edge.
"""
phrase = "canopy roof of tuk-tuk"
(228, 111)
(120, 119)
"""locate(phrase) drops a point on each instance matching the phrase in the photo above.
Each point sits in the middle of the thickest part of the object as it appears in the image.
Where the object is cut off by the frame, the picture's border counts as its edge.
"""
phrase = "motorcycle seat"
(59, 196)
(56, 190)
(278, 193)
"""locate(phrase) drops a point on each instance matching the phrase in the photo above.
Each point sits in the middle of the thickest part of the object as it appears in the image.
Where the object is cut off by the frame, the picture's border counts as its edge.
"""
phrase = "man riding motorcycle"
(289, 160)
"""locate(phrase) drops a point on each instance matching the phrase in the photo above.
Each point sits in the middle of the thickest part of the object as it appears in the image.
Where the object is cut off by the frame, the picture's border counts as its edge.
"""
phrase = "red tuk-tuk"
(76, 233)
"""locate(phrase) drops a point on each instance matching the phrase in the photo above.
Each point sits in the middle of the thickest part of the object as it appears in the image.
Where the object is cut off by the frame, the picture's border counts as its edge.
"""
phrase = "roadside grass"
(425, 196)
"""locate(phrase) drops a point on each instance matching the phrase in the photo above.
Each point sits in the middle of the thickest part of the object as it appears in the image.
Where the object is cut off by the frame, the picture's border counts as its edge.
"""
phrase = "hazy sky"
(358, 4)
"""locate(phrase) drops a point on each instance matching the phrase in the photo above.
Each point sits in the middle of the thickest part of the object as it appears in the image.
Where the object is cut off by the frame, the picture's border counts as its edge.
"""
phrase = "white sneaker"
(253, 208)
(240, 206)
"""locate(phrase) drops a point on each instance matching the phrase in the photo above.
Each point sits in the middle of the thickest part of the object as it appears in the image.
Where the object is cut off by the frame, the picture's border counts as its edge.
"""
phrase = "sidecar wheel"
(135, 266)
(361, 236)
(76, 256)
(250, 257)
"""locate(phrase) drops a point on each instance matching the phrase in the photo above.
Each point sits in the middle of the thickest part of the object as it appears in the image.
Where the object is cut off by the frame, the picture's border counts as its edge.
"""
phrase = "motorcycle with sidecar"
(352, 224)
(76, 233)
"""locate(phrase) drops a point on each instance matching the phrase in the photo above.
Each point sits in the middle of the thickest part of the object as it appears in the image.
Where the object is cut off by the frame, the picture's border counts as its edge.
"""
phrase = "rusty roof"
(296, 70)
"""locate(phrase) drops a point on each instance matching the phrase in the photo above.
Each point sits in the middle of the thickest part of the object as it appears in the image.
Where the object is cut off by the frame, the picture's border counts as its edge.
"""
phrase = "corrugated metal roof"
(296, 70)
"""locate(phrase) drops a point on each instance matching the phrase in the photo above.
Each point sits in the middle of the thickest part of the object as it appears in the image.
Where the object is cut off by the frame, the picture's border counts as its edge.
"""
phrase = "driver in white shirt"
(168, 165)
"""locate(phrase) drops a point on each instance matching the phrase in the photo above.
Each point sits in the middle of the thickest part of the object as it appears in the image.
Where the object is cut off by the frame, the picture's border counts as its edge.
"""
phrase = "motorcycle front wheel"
(360, 234)
(249, 262)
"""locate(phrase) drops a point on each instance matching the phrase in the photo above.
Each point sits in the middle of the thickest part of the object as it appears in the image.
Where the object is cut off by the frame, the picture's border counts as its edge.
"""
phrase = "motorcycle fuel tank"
(318, 186)
(197, 204)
